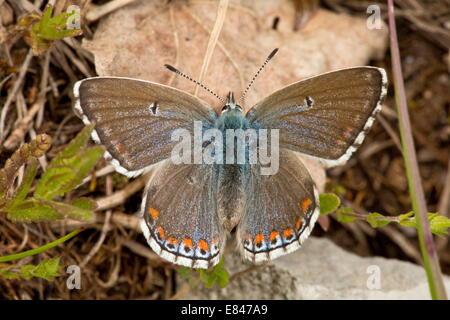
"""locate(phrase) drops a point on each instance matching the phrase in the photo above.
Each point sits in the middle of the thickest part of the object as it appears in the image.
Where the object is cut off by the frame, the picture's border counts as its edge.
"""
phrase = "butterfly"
(188, 209)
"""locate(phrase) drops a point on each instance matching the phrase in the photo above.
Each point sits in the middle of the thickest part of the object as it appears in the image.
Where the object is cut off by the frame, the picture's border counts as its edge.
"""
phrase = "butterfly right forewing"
(326, 116)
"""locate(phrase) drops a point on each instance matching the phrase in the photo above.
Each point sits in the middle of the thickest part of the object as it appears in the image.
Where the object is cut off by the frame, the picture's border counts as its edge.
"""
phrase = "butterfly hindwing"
(179, 215)
(280, 210)
(326, 116)
(135, 119)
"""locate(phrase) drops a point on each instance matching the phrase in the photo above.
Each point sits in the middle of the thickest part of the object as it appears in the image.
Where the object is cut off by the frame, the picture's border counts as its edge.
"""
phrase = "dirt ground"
(374, 180)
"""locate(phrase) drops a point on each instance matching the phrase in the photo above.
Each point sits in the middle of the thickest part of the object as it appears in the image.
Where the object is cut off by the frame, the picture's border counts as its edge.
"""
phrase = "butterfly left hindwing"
(179, 217)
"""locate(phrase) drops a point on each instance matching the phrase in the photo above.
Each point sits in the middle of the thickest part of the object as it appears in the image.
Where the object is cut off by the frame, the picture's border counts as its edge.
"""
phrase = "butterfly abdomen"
(230, 195)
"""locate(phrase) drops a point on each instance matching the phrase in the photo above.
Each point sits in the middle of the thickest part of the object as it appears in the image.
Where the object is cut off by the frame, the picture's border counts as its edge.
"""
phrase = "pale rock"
(322, 270)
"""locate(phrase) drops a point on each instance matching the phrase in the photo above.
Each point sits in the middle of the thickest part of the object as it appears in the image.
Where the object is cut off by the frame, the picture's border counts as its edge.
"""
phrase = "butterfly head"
(231, 105)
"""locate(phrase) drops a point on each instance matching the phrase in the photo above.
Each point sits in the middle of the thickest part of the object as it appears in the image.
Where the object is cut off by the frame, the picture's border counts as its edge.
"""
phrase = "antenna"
(173, 69)
(270, 56)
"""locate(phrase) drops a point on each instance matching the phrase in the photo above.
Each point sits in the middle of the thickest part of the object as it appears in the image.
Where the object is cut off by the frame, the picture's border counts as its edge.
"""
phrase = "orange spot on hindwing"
(305, 204)
(273, 235)
(202, 244)
(153, 213)
(187, 247)
(298, 224)
(172, 244)
(288, 234)
(259, 238)
(187, 242)
(160, 233)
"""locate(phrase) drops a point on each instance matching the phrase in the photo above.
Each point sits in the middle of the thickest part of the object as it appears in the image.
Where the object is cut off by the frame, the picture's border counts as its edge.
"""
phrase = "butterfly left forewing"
(280, 210)
(135, 119)
(326, 116)
(179, 215)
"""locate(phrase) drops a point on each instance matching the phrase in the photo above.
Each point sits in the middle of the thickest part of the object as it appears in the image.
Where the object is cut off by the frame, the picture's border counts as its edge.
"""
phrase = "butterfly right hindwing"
(280, 210)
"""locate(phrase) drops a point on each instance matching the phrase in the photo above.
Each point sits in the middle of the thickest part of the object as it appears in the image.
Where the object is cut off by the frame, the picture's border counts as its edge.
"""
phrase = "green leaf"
(47, 269)
(185, 272)
(36, 210)
(223, 278)
(53, 181)
(55, 28)
(61, 178)
(29, 175)
(188, 274)
(342, 215)
(74, 146)
(217, 275)
(69, 211)
(329, 202)
(43, 30)
(439, 225)
(207, 278)
(410, 222)
(221, 273)
(84, 203)
(339, 189)
(5, 271)
(32, 210)
(405, 216)
(376, 220)
(69, 167)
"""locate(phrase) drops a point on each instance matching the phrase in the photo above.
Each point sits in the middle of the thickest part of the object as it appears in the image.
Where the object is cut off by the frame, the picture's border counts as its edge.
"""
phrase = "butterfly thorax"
(232, 116)
(233, 125)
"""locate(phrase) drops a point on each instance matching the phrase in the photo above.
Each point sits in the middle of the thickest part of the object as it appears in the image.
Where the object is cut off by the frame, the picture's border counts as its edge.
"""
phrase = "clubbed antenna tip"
(274, 52)
(173, 69)
(270, 56)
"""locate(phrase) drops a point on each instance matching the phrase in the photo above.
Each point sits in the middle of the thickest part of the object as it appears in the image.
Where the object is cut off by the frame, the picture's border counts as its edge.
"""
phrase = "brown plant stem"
(34, 149)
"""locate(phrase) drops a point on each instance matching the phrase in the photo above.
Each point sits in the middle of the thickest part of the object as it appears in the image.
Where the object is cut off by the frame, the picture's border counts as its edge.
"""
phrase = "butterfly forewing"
(179, 217)
(280, 210)
(325, 116)
(135, 119)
